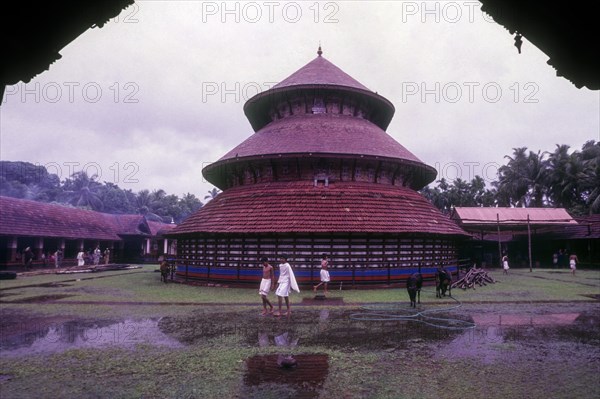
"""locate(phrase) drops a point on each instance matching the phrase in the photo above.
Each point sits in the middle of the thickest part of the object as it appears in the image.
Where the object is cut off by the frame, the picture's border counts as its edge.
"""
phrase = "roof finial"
(319, 52)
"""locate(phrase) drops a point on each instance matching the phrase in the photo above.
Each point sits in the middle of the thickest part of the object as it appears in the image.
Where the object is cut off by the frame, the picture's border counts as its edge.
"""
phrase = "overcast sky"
(151, 98)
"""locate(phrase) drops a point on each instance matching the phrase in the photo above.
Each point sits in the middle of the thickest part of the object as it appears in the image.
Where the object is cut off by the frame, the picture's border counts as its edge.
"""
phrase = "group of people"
(29, 257)
(285, 284)
(557, 259)
(93, 256)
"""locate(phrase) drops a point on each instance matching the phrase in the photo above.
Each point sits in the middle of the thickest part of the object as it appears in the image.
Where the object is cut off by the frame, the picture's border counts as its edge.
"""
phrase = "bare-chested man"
(265, 285)
(573, 263)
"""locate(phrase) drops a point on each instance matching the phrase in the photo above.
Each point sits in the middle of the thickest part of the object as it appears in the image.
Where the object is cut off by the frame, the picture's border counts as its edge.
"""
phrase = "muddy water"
(48, 336)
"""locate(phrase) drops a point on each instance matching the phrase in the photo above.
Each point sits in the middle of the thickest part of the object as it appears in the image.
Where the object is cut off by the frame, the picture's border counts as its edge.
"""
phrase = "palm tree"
(523, 181)
(146, 205)
(212, 194)
(589, 178)
(82, 191)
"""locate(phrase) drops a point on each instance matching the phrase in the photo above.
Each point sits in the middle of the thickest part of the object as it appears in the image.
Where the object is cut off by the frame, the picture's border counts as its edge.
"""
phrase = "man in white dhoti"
(287, 282)
(265, 285)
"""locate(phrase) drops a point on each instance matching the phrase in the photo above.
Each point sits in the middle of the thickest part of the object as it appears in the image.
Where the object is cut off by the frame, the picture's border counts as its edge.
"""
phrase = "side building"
(45, 228)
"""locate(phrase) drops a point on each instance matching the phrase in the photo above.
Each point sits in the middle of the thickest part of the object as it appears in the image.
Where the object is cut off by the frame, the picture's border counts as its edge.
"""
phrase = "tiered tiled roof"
(321, 134)
(296, 207)
(288, 123)
(20, 217)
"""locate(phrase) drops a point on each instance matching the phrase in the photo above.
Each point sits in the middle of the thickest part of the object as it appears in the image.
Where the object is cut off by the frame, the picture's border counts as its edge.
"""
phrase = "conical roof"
(318, 75)
(320, 72)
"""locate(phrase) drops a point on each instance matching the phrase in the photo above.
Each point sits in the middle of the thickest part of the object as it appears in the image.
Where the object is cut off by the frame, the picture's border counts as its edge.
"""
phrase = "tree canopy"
(33, 182)
(558, 178)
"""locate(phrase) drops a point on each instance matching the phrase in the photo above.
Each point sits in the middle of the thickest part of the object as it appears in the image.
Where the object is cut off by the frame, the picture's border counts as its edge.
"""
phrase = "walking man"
(324, 274)
(573, 263)
(265, 285)
(287, 282)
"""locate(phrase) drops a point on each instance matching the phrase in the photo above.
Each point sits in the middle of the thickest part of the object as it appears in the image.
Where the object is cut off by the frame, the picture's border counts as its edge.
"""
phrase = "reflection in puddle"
(482, 342)
(304, 381)
(284, 340)
(55, 338)
(324, 315)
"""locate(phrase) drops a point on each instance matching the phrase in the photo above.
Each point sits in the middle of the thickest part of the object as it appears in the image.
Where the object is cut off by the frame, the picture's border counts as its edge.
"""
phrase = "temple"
(319, 175)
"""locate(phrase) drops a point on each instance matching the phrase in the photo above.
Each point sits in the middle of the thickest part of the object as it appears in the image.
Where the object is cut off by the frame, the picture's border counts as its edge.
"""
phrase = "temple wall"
(311, 169)
(304, 251)
(319, 102)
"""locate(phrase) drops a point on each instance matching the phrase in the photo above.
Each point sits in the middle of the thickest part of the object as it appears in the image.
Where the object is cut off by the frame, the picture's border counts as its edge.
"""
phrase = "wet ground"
(487, 334)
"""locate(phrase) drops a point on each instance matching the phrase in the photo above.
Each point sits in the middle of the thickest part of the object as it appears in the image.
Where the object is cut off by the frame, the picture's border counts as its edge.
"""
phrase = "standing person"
(555, 260)
(106, 256)
(57, 258)
(573, 263)
(325, 278)
(268, 275)
(287, 282)
(505, 264)
(81, 258)
(28, 257)
(96, 255)
(164, 271)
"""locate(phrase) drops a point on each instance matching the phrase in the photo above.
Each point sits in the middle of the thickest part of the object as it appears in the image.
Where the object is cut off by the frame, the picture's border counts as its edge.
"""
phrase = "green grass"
(221, 338)
(143, 285)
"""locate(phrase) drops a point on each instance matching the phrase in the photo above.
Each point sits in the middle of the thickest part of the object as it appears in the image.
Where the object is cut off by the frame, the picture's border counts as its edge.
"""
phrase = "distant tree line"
(33, 182)
(560, 178)
(531, 179)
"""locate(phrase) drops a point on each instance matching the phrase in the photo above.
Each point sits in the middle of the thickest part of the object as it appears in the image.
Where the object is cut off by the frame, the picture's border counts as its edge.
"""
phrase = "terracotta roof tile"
(324, 134)
(20, 217)
(320, 72)
(300, 207)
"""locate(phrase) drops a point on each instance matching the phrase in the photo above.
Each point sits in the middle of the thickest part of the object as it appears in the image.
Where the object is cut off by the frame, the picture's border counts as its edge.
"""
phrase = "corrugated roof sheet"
(300, 207)
(588, 227)
(469, 216)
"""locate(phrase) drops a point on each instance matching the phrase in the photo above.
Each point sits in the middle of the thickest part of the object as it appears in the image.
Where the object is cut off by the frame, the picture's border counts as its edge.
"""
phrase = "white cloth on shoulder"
(287, 280)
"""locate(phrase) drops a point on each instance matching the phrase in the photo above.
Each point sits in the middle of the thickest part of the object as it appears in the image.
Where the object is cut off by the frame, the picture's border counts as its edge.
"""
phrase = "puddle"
(323, 301)
(483, 343)
(59, 337)
(524, 319)
(498, 337)
(305, 380)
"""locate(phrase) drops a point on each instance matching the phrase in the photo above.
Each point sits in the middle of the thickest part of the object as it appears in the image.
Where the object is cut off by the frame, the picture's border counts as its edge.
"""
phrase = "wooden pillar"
(499, 245)
(12, 248)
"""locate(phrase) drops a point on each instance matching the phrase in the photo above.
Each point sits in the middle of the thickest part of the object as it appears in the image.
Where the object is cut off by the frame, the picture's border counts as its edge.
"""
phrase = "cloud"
(158, 94)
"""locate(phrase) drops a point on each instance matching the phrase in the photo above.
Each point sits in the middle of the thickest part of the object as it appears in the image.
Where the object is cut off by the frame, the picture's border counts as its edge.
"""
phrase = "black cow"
(443, 282)
(413, 286)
